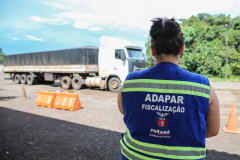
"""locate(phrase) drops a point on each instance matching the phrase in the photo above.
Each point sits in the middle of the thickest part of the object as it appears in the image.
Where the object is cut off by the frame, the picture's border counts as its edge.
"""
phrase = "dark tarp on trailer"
(74, 56)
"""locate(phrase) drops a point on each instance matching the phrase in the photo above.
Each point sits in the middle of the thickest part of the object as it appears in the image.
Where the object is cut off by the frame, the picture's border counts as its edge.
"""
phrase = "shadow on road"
(29, 136)
(7, 78)
(7, 98)
(215, 155)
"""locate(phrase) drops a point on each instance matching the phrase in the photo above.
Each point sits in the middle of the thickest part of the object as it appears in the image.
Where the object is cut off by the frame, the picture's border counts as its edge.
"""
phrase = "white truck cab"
(117, 58)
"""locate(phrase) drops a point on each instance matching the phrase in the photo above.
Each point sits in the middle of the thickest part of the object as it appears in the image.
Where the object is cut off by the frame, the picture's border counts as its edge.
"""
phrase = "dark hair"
(166, 36)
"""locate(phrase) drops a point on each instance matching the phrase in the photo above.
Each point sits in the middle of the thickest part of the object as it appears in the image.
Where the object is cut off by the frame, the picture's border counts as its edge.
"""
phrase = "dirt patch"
(237, 94)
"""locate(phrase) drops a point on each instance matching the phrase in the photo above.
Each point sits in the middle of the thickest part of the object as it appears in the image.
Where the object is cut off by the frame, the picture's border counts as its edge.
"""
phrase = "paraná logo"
(161, 120)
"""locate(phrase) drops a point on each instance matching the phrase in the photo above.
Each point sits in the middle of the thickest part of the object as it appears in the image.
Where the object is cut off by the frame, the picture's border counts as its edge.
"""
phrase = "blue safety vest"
(165, 111)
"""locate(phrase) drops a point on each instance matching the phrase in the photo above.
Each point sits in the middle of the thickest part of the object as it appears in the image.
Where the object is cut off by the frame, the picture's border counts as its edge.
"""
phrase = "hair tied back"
(163, 20)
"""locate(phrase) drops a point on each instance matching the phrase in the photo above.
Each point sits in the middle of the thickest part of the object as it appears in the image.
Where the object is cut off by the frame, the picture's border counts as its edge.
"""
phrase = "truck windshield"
(135, 54)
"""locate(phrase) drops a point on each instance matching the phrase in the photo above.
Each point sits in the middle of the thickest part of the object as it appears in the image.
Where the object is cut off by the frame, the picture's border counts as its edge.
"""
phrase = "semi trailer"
(105, 67)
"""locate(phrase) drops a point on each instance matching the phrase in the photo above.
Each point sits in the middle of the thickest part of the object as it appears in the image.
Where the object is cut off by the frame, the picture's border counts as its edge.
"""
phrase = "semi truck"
(105, 67)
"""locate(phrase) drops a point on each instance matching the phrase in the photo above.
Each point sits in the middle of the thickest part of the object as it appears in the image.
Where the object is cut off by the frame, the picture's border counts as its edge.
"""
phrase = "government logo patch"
(161, 120)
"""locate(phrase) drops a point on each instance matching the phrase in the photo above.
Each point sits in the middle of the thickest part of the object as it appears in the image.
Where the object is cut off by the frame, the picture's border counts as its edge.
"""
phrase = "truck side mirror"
(123, 56)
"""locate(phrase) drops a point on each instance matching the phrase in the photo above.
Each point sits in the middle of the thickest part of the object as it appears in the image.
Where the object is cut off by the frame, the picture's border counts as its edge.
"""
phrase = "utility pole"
(226, 51)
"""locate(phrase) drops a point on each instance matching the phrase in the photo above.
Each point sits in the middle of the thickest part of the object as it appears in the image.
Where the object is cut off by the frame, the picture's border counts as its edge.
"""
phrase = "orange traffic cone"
(232, 126)
(23, 93)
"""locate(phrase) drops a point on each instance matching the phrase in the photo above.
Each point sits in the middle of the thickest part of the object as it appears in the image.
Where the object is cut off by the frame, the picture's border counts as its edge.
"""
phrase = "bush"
(235, 68)
(229, 71)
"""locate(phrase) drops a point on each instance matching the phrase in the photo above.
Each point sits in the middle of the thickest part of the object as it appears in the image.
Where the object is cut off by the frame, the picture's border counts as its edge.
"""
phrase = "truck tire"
(17, 78)
(66, 82)
(77, 82)
(114, 84)
(24, 79)
(30, 79)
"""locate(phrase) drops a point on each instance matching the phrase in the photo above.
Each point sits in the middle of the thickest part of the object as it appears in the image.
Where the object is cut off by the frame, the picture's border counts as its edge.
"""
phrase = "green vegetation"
(219, 79)
(1, 56)
(205, 45)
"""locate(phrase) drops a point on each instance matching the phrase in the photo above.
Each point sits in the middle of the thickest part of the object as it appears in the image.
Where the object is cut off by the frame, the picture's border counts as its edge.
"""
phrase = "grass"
(230, 79)
(5, 73)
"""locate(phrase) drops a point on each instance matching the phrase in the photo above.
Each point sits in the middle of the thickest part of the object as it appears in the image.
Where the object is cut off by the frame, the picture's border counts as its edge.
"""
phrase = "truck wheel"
(77, 82)
(114, 84)
(30, 79)
(24, 79)
(66, 82)
(17, 78)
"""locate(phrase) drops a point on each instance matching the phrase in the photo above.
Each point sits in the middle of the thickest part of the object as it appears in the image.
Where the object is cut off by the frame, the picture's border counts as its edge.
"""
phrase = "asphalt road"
(31, 132)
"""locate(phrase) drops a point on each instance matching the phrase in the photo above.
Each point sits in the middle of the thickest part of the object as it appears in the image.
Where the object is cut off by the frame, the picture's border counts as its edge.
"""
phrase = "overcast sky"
(40, 25)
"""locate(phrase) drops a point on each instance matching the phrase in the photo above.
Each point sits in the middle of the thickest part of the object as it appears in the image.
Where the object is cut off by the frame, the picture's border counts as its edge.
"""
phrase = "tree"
(1, 55)
(205, 44)
(150, 60)
(221, 19)
(236, 23)
(189, 36)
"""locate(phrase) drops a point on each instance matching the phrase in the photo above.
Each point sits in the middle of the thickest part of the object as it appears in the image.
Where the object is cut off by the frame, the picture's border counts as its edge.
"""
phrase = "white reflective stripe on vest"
(158, 151)
(167, 86)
